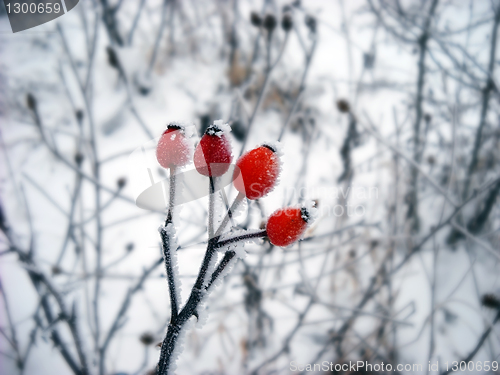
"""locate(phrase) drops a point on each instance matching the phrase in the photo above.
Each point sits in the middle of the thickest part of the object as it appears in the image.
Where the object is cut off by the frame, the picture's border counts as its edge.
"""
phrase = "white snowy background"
(193, 61)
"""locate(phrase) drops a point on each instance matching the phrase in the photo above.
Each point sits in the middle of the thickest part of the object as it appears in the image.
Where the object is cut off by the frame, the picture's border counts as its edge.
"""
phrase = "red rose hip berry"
(174, 149)
(285, 226)
(257, 172)
(213, 156)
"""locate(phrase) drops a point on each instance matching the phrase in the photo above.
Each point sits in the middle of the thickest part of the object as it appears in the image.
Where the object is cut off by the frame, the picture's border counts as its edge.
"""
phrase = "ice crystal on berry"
(258, 171)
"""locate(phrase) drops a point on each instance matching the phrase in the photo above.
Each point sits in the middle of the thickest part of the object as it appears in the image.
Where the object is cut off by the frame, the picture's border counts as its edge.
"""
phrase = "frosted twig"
(229, 214)
(270, 67)
(161, 27)
(302, 87)
(135, 22)
(117, 322)
(445, 194)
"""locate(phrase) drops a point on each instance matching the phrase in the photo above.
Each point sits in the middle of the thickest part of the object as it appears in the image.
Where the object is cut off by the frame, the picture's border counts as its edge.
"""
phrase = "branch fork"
(208, 275)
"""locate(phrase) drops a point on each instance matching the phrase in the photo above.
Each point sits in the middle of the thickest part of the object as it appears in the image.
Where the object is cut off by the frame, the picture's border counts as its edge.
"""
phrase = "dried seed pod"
(311, 23)
(79, 115)
(112, 57)
(491, 301)
(287, 22)
(31, 101)
(121, 182)
(255, 19)
(147, 338)
(269, 23)
(343, 105)
(78, 158)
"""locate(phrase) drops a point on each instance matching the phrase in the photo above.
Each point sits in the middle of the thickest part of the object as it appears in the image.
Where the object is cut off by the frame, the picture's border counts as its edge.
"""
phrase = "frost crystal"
(276, 147)
(309, 212)
(238, 247)
(175, 147)
(202, 311)
(219, 128)
(187, 129)
(179, 346)
(219, 210)
(240, 208)
(210, 270)
(223, 274)
(180, 187)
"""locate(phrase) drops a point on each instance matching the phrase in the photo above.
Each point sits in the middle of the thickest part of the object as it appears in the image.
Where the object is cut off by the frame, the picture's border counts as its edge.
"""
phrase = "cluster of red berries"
(255, 175)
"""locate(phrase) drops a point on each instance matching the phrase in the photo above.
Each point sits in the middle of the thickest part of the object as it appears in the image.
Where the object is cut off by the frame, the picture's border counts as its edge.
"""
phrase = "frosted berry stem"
(243, 237)
(229, 213)
(171, 197)
(211, 197)
(166, 233)
(197, 293)
(167, 257)
(229, 255)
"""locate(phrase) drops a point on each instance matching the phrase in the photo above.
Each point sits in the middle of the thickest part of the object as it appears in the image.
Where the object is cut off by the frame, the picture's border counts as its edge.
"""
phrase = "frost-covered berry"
(174, 149)
(257, 171)
(285, 226)
(213, 155)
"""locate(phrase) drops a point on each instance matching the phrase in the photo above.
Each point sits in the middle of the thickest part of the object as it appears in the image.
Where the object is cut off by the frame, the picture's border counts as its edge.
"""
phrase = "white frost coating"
(173, 245)
(223, 274)
(311, 210)
(280, 154)
(179, 193)
(202, 313)
(179, 346)
(277, 146)
(210, 270)
(278, 151)
(224, 129)
(188, 130)
(238, 247)
(189, 139)
(219, 210)
(240, 208)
